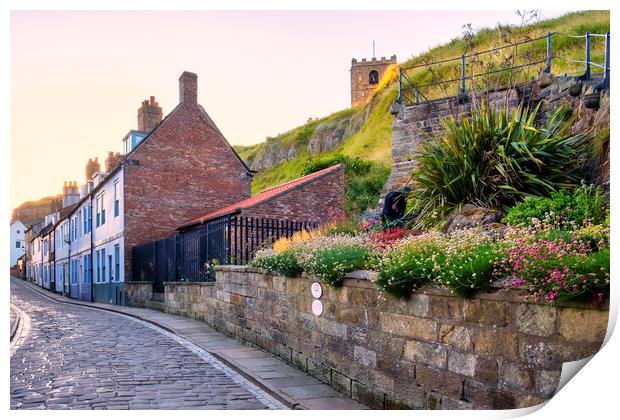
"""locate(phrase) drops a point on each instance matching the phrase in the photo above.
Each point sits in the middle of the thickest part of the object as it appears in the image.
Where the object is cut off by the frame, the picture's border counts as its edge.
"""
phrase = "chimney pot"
(188, 88)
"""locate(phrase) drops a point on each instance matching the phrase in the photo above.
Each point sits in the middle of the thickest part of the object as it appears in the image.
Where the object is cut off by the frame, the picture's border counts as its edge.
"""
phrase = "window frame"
(102, 195)
(370, 82)
(116, 198)
(117, 267)
(98, 210)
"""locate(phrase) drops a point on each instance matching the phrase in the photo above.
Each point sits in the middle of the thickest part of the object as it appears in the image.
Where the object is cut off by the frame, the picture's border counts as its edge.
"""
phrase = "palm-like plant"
(494, 159)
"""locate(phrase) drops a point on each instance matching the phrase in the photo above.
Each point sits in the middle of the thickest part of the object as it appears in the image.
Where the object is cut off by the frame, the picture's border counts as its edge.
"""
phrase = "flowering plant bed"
(547, 261)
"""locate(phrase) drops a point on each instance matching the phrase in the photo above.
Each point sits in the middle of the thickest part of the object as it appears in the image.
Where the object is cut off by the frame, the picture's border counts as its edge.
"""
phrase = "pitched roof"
(47, 229)
(32, 223)
(263, 196)
(65, 212)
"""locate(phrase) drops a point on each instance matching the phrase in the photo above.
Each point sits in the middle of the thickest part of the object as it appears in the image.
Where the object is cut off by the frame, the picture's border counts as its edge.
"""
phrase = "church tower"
(365, 75)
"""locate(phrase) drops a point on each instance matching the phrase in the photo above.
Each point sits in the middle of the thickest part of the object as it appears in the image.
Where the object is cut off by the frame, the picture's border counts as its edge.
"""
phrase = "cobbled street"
(74, 357)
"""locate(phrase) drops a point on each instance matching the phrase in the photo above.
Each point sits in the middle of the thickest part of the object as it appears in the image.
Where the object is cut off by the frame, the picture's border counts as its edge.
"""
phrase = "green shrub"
(586, 203)
(493, 159)
(332, 264)
(404, 270)
(363, 179)
(468, 273)
(284, 264)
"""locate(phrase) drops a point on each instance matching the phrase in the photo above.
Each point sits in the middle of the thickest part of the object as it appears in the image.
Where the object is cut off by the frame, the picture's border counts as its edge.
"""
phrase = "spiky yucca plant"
(495, 159)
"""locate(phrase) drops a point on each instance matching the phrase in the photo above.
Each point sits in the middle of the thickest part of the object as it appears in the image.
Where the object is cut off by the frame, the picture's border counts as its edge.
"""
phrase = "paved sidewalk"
(293, 387)
(14, 323)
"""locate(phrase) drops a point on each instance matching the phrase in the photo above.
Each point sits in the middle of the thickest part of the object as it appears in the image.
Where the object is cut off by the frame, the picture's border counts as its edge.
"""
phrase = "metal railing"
(191, 254)
(410, 93)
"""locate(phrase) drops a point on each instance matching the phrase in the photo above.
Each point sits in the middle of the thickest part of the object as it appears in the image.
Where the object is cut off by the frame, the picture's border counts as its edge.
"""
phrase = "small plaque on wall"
(316, 290)
(317, 307)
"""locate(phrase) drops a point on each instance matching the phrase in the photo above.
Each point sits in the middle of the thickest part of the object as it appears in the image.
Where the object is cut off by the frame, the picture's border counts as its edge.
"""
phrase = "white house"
(89, 241)
(17, 244)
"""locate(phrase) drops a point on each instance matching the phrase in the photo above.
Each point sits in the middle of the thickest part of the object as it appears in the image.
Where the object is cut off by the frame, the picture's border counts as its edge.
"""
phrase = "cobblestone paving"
(81, 358)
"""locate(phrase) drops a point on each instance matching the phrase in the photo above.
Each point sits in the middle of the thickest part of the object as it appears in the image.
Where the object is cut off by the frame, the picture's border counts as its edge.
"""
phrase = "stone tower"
(365, 75)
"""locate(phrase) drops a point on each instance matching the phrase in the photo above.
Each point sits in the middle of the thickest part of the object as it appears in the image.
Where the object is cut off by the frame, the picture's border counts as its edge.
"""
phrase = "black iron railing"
(190, 255)
(529, 63)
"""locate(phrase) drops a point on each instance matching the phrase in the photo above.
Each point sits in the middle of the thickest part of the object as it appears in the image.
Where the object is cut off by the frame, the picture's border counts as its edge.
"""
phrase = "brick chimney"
(188, 88)
(112, 160)
(149, 115)
(92, 167)
(70, 193)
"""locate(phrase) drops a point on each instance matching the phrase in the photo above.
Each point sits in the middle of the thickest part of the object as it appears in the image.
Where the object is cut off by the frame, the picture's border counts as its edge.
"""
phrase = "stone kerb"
(433, 350)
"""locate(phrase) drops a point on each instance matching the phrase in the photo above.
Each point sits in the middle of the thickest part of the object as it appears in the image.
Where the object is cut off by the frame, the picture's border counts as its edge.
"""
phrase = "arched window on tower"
(373, 77)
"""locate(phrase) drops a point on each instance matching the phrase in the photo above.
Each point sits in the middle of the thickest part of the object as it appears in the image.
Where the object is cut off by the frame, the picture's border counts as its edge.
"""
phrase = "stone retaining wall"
(413, 123)
(432, 351)
(137, 293)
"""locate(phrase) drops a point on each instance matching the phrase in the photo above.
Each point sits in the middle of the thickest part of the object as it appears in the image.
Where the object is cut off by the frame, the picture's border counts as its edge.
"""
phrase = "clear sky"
(78, 78)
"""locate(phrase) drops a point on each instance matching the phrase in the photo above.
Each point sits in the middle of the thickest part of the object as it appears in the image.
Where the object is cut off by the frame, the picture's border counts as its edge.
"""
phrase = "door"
(111, 280)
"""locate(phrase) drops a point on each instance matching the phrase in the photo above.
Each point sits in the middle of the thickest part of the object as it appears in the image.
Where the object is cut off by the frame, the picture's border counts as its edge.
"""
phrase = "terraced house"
(173, 169)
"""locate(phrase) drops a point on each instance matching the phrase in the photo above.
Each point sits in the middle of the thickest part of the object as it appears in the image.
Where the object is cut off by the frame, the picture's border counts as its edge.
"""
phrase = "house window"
(86, 269)
(103, 265)
(89, 218)
(98, 210)
(17, 231)
(117, 258)
(110, 268)
(98, 266)
(85, 221)
(116, 198)
(373, 77)
(17, 244)
(103, 208)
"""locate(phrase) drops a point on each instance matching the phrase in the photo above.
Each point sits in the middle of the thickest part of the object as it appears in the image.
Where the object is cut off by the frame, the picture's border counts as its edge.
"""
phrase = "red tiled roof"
(263, 196)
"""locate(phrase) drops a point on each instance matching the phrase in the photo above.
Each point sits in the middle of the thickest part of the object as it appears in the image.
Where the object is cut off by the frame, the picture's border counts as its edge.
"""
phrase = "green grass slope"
(373, 140)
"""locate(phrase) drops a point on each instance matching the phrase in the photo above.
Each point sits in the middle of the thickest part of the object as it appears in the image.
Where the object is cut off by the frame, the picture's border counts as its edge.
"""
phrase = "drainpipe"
(90, 226)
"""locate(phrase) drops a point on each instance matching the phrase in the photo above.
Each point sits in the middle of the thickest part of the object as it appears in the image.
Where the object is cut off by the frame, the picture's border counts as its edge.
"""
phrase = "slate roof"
(262, 197)
(47, 229)
(65, 212)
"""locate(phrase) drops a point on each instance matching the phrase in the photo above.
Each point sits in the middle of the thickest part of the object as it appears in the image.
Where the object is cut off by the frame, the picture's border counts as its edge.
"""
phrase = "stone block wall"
(137, 293)
(433, 351)
(414, 122)
(191, 299)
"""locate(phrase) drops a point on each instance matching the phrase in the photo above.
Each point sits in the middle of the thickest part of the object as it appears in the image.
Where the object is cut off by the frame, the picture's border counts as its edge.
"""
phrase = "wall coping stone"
(364, 279)
(138, 282)
(189, 283)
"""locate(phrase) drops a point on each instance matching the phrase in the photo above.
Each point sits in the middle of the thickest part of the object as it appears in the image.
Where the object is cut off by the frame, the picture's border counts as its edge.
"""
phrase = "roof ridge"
(263, 196)
(313, 174)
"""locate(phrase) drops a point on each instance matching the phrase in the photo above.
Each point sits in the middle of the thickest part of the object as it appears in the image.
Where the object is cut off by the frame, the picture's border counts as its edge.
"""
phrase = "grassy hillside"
(373, 140)
(31, 211)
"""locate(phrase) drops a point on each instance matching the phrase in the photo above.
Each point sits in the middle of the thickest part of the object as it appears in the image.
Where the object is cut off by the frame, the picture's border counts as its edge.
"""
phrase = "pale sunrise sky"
(78, 78)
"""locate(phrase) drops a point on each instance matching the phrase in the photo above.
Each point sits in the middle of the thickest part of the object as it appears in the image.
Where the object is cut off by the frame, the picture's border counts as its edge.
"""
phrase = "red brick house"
(182, 169)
